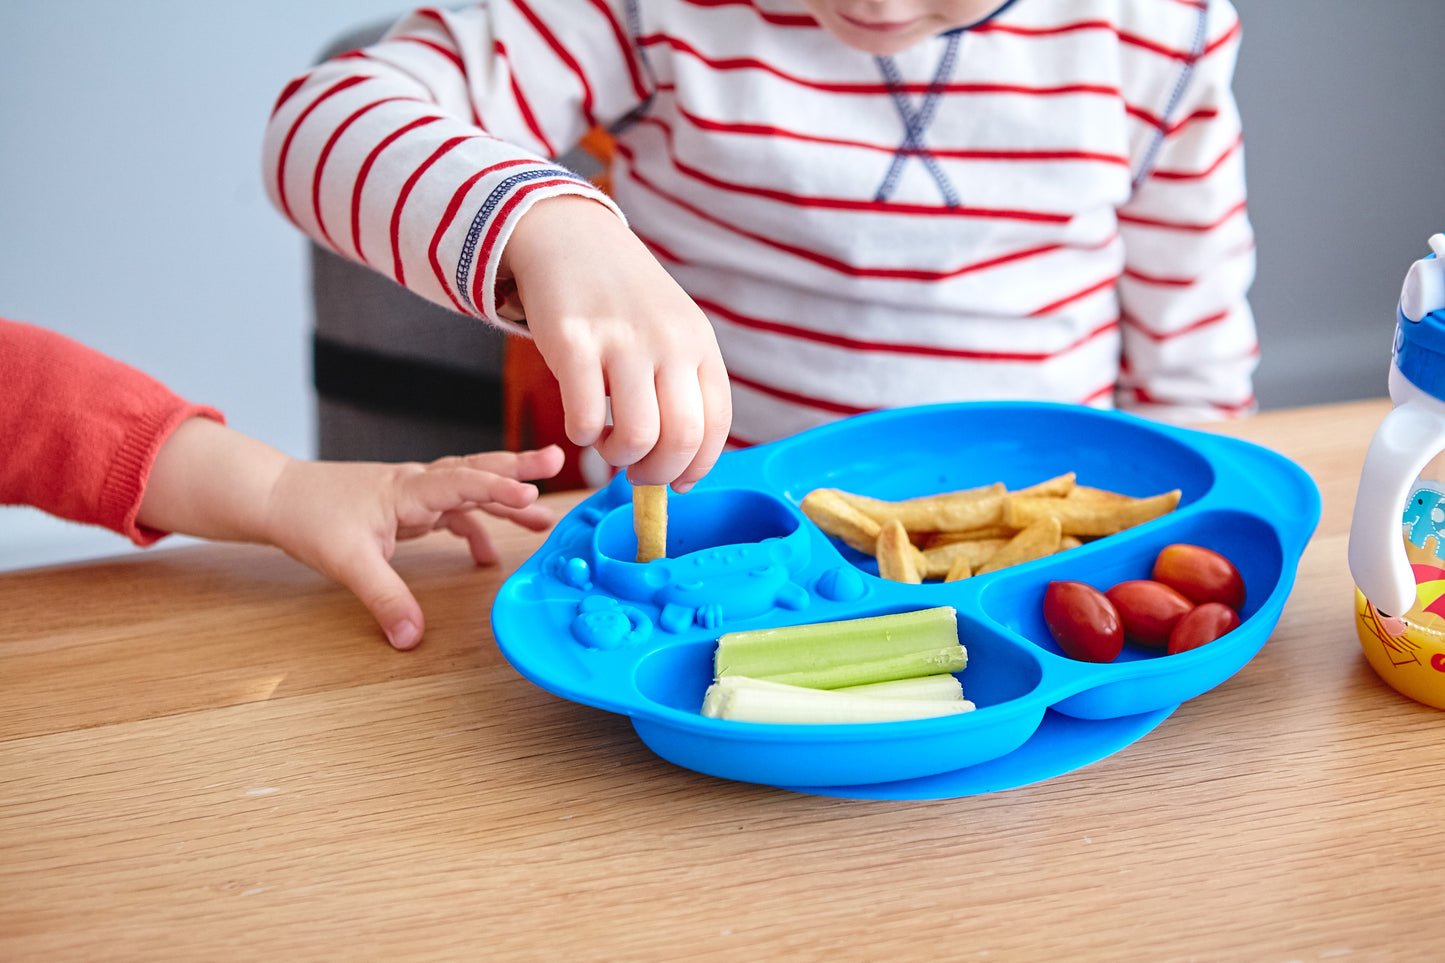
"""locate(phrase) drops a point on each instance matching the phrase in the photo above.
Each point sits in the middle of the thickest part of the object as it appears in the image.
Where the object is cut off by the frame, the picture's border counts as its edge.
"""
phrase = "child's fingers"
(469, 525)
(680, 411)
(535, 517)
(523, 465)
(372, 579)
(632, 386)
(584, 394)
(443, 489)
(717, 417)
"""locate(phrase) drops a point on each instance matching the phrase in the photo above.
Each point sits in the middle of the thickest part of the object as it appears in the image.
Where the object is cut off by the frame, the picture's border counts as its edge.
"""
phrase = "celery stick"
(832, 655)
(758, 700)
(941, 686)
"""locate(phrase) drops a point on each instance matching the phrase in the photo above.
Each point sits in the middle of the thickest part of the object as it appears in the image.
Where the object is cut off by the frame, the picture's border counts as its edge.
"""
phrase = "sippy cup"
(1397, 535)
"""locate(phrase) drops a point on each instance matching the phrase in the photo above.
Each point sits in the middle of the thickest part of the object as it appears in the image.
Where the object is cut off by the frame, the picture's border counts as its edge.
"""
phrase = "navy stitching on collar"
(916, 124)
(1196, 49)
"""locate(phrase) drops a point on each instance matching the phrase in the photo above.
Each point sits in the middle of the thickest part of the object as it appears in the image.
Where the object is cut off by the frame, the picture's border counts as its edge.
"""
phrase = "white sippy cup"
(1397, 535)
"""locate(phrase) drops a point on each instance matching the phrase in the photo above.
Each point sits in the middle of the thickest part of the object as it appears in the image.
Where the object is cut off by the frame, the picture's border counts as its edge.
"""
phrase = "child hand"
(343, 519)
(610, 322)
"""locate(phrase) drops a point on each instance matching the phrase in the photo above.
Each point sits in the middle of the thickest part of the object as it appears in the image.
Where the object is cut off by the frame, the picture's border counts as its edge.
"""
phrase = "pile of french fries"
(955, 535)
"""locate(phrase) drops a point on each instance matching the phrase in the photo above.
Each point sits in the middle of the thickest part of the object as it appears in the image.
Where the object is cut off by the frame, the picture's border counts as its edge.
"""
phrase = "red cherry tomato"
(1083, 622)
(1200, 575)
(1148, 609)
(1201, 625)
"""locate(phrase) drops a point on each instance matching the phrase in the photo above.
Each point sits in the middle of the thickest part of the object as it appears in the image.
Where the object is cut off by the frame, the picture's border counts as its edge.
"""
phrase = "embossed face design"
(887, 27)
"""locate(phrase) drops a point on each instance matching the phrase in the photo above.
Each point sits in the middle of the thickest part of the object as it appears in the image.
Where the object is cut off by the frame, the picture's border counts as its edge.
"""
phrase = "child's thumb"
(372, 579)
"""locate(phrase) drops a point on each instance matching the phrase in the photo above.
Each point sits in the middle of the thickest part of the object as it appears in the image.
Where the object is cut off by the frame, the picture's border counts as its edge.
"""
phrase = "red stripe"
(735, 442)
(1181, 225)
(1146, 397)
(326, 153)
(887, 347)
(327, 94)
(1168, 282)
(450, 53)
(1210, 169)
(444, 148)
(453, 206)
(435, 47)
(1204, 113)
(495, 227)
(849, 204)
(822, 260)
(287, 91)
(751, 63)
(1100, 392)
(562, 54)
(522, 105)
(365, 170)
(764, 130)
(776, 19)
(837, 408)
(1158, 337)
(1103, 285)
(624, 45)
(1229, 35)
(1130, 39)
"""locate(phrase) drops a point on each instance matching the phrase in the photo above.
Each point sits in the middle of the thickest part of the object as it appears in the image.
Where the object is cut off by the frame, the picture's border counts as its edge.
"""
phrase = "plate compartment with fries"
(584, 619)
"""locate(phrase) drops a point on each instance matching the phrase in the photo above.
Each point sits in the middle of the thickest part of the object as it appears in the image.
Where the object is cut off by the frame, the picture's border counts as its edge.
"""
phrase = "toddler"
(817, 207)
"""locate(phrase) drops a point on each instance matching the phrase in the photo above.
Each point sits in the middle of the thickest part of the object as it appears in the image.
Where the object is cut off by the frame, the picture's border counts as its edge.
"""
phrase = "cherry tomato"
(1148, 610)
(1083, 622)
(1202, 624)
(1200, 575)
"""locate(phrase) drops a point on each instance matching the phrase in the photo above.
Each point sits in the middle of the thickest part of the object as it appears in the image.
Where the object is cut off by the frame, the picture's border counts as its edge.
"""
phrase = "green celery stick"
(832, 655)
(743, 699)
(941, 686)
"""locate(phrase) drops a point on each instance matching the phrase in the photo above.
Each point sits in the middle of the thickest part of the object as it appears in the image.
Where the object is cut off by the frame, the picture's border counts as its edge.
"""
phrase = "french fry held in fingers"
(649, 521)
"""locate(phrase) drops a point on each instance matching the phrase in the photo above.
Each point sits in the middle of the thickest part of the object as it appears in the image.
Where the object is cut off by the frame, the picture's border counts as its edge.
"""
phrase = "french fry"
(649, 521)
(1038, 539)
(1057, 487)
(981, 533)
(949, 511)
(896, 555)
(937, 561)
(960, 569)
(1090, 517)
(963, 533)
(837, 517)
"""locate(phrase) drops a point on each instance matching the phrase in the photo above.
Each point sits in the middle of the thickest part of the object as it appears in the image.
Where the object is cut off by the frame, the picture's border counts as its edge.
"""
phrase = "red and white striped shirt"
(1049, 204)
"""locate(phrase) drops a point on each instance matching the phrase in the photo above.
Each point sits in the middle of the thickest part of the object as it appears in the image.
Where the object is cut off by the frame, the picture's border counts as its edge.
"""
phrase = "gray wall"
(1345, 151)
(132, 215)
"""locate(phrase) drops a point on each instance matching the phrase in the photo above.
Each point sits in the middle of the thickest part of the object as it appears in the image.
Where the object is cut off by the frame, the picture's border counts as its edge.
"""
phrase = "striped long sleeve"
(1048, 204)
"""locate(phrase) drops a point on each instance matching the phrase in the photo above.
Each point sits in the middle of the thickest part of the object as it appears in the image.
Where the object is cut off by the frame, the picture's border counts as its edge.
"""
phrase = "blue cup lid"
(1419, 350)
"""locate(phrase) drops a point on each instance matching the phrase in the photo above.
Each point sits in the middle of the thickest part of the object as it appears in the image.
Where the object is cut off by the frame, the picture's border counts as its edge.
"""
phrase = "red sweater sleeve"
(79, 431)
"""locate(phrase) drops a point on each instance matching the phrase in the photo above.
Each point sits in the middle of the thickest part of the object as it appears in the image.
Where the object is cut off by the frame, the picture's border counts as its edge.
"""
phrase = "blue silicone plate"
(582, 620)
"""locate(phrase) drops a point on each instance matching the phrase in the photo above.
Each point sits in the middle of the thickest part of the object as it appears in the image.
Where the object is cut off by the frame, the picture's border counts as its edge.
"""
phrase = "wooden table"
(208, 753)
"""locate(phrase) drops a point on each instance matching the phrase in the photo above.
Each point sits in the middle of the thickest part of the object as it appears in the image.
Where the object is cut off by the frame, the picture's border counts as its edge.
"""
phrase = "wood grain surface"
(209, 753)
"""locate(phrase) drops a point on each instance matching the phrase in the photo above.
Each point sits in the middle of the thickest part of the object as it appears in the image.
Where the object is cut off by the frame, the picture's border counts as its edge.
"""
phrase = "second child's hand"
(611, 323)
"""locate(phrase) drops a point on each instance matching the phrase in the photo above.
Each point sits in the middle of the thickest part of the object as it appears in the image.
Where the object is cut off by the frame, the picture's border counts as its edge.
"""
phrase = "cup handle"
(1406, 440)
